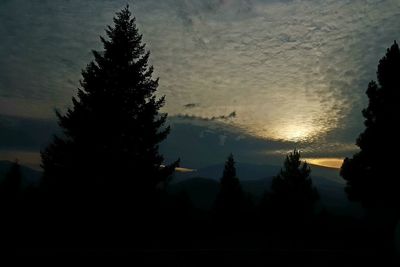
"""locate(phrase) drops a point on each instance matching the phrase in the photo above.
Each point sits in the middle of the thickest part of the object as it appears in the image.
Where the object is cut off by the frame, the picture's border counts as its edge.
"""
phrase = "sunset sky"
(253, 77)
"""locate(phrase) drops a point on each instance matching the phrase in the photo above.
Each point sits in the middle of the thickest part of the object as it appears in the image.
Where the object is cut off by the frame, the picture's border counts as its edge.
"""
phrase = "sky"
(254, 77)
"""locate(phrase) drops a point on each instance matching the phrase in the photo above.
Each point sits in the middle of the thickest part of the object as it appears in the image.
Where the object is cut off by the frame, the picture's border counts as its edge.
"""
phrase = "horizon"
(34, 162)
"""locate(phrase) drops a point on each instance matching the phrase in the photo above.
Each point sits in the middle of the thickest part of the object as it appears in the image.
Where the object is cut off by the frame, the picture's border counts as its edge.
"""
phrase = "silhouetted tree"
(371, 174)
(11, 186)
(378, 139)
(111, 135)
(230, 202)
(10, 204)
(292, 197)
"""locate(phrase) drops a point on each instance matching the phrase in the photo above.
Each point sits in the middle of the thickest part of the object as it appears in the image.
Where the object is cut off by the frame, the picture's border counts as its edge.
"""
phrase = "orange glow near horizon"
(181, 169)
(334, 163)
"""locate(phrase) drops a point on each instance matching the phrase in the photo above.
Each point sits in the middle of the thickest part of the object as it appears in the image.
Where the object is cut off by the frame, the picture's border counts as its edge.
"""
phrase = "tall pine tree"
(371, 174)
(111, 134)
(230, 202)
(10, 205)
(11, 186)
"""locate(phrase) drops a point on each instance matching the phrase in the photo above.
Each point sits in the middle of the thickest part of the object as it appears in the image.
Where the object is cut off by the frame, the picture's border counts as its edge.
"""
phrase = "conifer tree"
(112, 132)
(230, 201)
(370, 173)
(292, 194)
(11, 186)
(10, 205)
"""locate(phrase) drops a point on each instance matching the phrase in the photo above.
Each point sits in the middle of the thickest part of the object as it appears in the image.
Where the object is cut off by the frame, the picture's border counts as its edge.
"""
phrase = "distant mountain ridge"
(245, 171)
(249, 171)
(202, 185)
(29, 176)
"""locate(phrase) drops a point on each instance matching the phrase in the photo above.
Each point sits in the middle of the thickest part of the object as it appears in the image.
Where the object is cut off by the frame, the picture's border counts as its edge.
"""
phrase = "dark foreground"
(208, 257)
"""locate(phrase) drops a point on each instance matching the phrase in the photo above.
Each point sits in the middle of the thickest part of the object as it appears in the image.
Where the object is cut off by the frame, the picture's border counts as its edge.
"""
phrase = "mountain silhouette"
(202, 186)
(245, 171)
(29, 176)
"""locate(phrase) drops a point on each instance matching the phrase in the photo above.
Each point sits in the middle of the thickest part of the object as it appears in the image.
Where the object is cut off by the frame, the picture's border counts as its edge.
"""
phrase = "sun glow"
(296, 132)
(291, 131)
(334, 163)
(181, 169)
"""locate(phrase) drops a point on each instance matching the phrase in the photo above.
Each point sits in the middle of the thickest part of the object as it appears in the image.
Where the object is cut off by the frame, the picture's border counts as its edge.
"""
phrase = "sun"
(296, 133)
(292, 132)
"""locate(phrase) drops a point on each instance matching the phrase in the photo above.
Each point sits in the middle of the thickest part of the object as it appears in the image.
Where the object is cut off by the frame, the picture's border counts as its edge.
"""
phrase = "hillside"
(202, 186)
(245, 171)
(29, 176)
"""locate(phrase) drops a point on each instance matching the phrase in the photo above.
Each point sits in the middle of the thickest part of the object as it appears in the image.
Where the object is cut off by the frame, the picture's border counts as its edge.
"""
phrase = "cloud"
(200, 143)
(225, 117)
(25, 134)
(196, 141)
(295, 71)
(190, 105)
(231, 115)
(222, 139)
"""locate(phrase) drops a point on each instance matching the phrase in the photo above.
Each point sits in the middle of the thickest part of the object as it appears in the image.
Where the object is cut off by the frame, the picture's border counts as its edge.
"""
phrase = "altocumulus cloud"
(294, 71)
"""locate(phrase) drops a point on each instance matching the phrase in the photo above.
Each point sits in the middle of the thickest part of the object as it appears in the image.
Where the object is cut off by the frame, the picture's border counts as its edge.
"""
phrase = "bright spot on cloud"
(293, 130)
